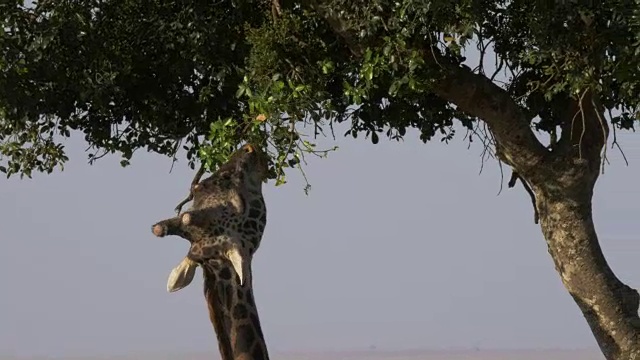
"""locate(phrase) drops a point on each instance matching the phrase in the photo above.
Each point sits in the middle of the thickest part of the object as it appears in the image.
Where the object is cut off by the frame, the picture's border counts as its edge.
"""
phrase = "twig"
(174, 159)
(501, 175)
(194, 182)
(499, 65)
(615, 143)
(482, 49)
(580, 111)
(603, 125)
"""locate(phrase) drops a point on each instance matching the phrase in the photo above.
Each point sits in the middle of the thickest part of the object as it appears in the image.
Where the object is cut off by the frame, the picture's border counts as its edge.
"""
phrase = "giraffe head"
(226, 220)
(247, 166)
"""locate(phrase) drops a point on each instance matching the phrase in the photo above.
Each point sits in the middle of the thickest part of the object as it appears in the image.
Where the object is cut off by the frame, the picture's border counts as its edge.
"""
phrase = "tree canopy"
(202, 76)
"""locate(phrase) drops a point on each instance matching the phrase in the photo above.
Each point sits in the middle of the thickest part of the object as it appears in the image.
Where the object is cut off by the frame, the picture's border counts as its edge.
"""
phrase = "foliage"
(206, 76)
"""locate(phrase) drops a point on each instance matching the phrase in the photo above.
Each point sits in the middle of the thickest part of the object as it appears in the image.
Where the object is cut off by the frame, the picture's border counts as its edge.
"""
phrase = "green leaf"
(241, 90)
(374, 138)
(368, 73)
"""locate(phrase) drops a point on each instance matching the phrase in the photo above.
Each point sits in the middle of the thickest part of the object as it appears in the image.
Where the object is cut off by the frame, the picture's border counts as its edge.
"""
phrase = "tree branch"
(472, 93)
(194, 182)
(476, 95)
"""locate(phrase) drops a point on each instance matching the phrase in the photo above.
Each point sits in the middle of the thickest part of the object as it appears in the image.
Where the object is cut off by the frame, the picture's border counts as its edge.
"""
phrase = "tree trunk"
(610, 307)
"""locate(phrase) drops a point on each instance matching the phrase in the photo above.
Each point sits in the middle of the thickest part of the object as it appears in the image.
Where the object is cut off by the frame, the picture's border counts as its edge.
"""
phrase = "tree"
(207, 76)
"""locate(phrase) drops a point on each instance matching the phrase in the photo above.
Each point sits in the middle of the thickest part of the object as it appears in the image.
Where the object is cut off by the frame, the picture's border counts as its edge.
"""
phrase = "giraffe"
(224, 227)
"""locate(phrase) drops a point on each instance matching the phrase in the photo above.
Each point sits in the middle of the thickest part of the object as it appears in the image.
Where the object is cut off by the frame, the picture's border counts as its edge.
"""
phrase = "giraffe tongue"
(181, 275)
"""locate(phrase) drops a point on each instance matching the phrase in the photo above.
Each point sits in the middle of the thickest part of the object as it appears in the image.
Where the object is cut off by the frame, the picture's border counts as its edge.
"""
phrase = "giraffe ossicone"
(182, 275)
(241, 264)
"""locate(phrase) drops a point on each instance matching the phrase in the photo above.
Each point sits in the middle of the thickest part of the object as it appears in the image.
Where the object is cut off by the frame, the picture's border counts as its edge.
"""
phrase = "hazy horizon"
(533, 354)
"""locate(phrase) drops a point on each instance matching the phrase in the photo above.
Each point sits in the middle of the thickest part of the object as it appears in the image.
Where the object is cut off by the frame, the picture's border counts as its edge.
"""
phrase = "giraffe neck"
(234, 315)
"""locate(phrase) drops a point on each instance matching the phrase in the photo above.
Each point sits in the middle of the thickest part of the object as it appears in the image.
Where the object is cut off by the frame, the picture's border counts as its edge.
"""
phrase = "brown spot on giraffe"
(224, 226)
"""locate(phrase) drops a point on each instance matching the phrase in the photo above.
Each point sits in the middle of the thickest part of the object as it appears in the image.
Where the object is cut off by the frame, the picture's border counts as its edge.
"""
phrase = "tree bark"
(609, 306)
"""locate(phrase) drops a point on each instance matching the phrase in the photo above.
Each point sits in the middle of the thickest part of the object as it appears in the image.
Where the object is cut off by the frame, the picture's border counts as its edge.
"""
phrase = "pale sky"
(398, 245)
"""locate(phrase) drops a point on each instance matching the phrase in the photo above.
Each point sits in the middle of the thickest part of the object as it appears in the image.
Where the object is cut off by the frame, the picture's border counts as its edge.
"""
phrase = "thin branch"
(499, 66)
(580, 110)
(194, 182)
(276, 11)
(174, 159)
(483, 50)
(501, 176)
(603, 126)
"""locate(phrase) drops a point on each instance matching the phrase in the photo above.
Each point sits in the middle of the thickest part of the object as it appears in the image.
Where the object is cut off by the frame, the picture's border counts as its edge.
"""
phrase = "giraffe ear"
(181, 275)
(239, 262)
